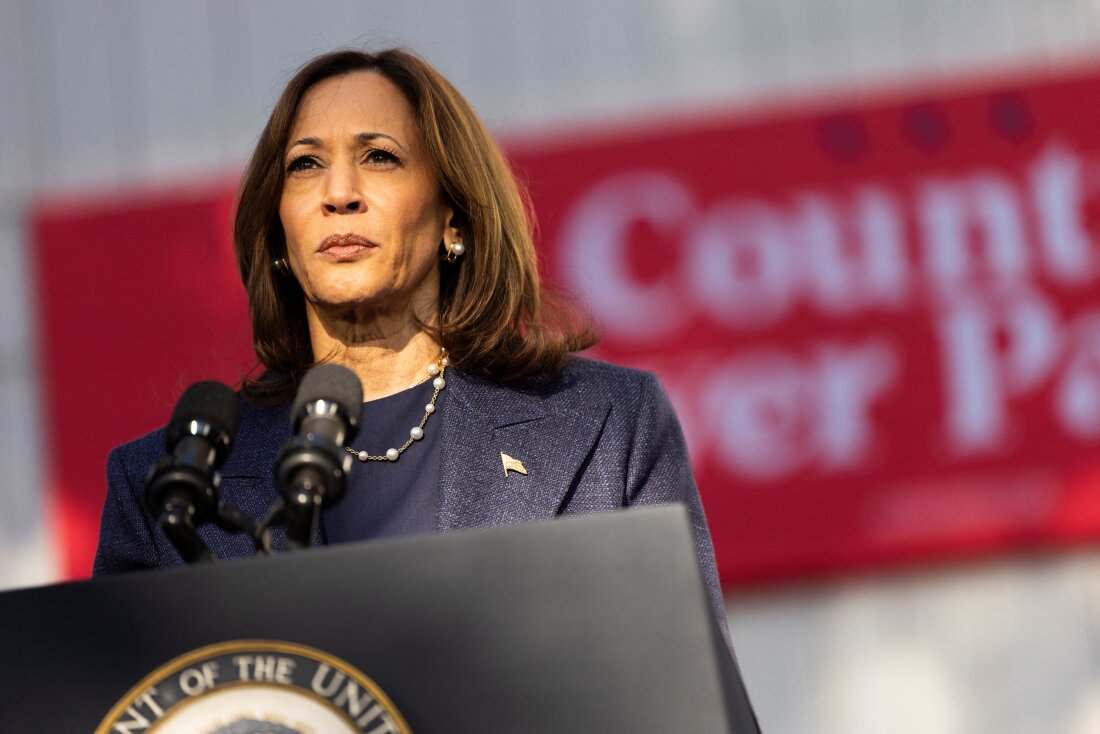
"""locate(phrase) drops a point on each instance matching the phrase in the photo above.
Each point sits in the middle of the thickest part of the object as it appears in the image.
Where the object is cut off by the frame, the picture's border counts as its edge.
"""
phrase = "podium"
(598, 623)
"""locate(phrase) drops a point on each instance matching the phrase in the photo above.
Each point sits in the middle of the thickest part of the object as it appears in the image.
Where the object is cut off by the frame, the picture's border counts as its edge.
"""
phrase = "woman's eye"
(382, 156)
(301, 163)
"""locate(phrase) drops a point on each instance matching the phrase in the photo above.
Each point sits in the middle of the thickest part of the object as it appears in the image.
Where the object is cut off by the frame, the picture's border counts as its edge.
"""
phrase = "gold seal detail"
(254, 686)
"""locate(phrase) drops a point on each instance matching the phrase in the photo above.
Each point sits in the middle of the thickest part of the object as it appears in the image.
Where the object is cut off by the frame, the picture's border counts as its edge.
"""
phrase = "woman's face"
(362, 212)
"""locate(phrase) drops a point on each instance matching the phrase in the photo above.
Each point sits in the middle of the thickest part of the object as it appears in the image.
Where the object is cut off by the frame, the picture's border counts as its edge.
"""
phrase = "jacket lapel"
(483, 420)
(247, 480)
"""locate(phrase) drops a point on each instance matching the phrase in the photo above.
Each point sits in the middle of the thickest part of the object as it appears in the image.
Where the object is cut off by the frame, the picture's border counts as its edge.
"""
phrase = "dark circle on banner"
(1010, 117)
(843, 138)
(926, 127)
(255, 687)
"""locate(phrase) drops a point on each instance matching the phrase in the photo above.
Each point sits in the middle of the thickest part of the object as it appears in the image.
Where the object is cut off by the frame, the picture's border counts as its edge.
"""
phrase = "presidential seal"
(255, 687)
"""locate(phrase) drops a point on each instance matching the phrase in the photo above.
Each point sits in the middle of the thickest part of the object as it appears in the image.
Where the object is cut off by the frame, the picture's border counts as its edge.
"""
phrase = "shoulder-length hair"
(495, 318)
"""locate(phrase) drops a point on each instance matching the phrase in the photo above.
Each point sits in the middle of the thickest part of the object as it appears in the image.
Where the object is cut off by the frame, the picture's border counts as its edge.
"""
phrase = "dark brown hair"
(495, 318)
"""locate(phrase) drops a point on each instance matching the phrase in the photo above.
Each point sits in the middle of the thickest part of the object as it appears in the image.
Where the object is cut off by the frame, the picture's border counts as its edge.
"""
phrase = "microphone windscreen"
(209, 401)
(334, 383)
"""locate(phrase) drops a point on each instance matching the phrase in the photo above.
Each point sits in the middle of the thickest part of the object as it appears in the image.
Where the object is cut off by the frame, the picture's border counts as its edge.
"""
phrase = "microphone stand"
(176, 521)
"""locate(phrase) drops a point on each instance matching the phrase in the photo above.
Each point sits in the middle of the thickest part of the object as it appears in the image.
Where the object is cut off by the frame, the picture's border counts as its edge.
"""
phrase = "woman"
(379, 227)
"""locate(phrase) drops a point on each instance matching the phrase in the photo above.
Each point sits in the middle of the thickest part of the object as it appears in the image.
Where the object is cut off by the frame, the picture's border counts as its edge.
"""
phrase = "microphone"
(312, 468)
(181, 490)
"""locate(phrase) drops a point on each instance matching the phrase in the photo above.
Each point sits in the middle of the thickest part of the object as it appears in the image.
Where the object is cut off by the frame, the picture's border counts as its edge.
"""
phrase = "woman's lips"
(344, 245)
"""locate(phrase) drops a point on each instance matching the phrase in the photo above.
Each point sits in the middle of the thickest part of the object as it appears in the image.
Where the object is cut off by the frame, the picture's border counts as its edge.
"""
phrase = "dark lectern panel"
(588, 624)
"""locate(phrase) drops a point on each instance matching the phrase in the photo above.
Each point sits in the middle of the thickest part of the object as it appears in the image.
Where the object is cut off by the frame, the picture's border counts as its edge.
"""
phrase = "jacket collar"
(480, 421)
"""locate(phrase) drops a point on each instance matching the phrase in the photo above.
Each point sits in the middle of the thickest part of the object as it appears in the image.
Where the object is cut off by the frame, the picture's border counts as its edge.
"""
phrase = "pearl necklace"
(416, 432)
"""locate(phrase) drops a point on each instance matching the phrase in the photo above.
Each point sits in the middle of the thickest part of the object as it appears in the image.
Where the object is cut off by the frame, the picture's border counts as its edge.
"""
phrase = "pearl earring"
(280, 266)
(454, 251)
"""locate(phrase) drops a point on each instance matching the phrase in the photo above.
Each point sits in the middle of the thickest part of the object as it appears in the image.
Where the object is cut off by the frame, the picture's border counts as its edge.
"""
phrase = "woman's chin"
(361, 301)
(357, 306)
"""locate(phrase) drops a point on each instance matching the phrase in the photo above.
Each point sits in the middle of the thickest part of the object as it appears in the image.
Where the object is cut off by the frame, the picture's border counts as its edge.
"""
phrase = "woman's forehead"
(351, 104)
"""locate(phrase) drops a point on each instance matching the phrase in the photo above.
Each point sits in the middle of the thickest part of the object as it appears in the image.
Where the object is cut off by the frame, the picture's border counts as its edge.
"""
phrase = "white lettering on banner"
(972, 249)
(849, 268)
(884, 279)
(992, 353)
(950, 212)
(594, 259)
(772, 413)
(759, 410)
(997, 353)
(747, 261)
(738, 265)
(1078, 393)
(1059, 199)
(851, 379)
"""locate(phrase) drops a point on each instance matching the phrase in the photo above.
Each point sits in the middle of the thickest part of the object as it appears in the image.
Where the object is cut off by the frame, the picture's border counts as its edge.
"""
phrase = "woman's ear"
(454, 244)
(456, 228)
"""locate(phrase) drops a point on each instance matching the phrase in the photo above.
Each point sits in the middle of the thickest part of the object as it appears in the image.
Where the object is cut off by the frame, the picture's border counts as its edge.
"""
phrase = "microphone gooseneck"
(311, 470)
(181, 490)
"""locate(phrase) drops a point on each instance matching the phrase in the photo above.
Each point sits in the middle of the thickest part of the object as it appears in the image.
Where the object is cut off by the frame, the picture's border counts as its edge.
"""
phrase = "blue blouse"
(387, 498)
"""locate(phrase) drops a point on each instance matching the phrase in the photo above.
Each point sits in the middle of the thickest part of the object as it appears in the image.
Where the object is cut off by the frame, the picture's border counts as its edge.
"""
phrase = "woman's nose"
(342, 195)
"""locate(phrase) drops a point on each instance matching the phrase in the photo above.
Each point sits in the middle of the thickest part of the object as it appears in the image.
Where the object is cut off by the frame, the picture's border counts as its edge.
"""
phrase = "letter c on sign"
(594, 257)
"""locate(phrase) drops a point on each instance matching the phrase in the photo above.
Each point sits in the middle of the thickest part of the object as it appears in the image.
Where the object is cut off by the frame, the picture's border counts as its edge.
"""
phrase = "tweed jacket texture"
(594, 437)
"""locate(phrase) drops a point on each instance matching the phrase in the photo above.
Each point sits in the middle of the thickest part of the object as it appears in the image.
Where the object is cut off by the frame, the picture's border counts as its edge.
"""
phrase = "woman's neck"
(388, 355)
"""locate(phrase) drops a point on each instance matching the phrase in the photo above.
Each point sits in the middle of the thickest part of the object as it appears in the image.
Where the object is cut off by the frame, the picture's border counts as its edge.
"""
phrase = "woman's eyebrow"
(364, 138)
(309, 142)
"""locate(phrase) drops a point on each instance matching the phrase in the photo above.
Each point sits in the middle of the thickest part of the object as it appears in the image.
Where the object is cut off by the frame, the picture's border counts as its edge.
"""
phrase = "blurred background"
(857, 239)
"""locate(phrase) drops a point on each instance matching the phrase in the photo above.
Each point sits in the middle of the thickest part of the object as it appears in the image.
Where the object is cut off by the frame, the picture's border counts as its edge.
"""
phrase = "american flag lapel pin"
(511, 464)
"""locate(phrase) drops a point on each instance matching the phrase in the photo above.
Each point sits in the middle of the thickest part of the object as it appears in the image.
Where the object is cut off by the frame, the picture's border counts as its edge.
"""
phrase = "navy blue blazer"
(594, 437)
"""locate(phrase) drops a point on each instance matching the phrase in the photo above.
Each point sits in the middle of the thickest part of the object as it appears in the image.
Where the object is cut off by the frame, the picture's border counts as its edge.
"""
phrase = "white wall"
(97, 93)
(1006, 647)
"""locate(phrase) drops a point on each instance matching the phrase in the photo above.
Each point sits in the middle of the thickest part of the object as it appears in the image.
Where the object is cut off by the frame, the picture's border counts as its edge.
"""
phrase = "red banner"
(880, 324)
(138, 296)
